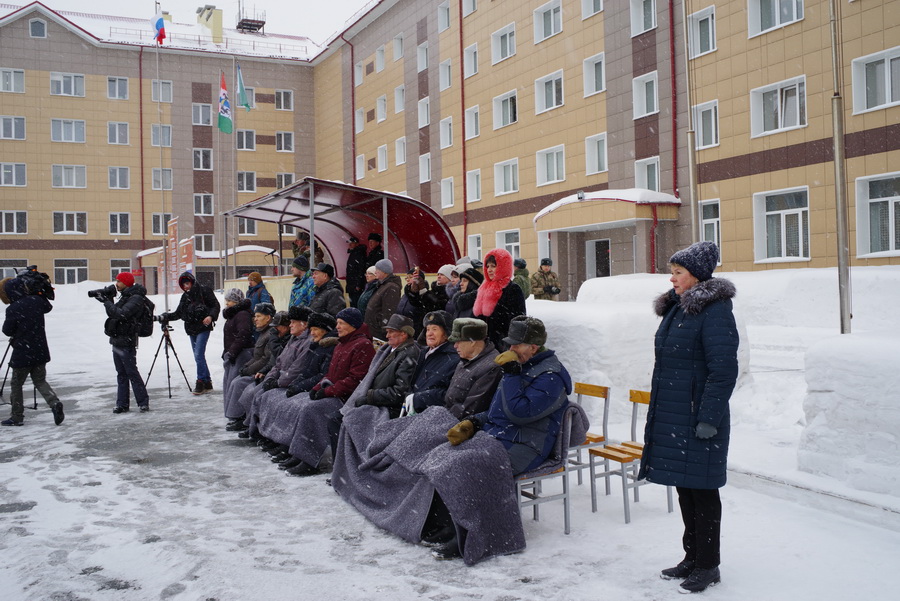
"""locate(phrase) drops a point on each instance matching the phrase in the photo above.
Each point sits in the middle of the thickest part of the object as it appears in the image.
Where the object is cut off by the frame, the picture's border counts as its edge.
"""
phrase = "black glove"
(293, 390)
(548, 289)
(316, 394)
(232, 358)
(270, 383)
(555, 290)
(508, 362)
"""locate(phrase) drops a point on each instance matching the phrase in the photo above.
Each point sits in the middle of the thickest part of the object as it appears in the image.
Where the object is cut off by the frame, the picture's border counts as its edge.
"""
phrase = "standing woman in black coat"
(237, 335)
(687, 432)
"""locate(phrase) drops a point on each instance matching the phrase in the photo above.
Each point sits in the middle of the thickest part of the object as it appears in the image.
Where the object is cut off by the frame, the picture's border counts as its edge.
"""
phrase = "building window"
(470, 60)
(12, 128)
(9, 268)
(595, 154)
(69, 222)
(203, 204)
(503, 43)
(203, 159)
(425, 168)
(445, 75)
(13, 222)
(251, 97)
(594, 75)
(117, 266)
(509, 241)
(201, 114)
(246, 181)
(778, 107)
(359, 120)
(12, 80)
(547, 21)
(876, 81)
(66, 84)
(360, 166)
(161, 135)
(284, 141)
(381, 109)
(765, 15)
(422, 57)
(120, 224)
(382, 158)
(161, 91)
(398, 47)
(446, 132)
(246, 139)
(473, 185)
(646, 174)
(379, 59)
(37, 28)
(589, 8)
(358, 74)
(12, 174)
(284, 100)
(246, 227)
(878, 214)
(709, 223)
(505, 112)
(702, 36)
(473, 122)
(424, 112)
(551, 165)
(443, 16)
(644, 94)
(118, 178)
(162, 179)
(400, 151)
(473, 244)
(446, 192)
(117, 88)
(69, 176)
(69, 271)
(117, 132)
(205, 242)
(548, 92)
(67, 130)
(781, 224)
(160, 223)
(283, 179)
(399, 99)
(643, 16)
(506, 177)
(706, 122)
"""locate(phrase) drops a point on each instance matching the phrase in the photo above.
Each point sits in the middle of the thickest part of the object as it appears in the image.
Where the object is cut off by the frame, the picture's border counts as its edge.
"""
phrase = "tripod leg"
(178, 361)
(158, 347)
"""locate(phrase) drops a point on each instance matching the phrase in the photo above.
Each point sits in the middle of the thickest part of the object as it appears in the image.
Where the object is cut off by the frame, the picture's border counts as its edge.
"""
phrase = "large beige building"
(553, 129)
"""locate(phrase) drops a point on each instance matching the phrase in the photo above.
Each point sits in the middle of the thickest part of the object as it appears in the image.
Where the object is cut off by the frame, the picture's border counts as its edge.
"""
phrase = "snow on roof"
(638, 196)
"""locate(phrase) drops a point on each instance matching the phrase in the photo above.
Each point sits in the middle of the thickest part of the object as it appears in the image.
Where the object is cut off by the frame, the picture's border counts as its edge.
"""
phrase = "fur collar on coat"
(697, 297)
(491, 290)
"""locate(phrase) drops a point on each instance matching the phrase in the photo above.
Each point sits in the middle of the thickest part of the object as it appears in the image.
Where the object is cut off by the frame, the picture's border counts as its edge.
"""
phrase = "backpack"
(144, 319)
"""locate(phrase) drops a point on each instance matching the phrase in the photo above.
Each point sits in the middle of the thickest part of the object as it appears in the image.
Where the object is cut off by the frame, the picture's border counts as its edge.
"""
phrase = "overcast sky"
(316, 19)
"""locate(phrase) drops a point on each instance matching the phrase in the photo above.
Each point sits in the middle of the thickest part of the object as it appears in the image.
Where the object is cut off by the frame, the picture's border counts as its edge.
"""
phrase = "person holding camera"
(24, 324)
(121, 327)
(199, 309)
(544, 282)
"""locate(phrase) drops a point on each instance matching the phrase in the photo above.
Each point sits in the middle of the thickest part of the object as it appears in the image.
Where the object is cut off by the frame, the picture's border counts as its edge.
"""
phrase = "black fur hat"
(323, 321)
(298, 313)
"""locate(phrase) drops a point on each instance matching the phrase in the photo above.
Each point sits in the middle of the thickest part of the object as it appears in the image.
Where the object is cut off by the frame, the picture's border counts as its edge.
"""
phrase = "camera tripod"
(6, 376)
(167, 341)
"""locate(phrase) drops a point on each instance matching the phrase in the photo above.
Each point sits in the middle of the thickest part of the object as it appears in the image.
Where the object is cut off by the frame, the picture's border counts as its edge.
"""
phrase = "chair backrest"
(600, 392)
(574, 422)
(637, 398)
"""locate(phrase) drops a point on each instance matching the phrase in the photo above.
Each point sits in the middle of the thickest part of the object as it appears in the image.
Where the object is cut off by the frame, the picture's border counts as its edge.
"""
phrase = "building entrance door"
(597, 258)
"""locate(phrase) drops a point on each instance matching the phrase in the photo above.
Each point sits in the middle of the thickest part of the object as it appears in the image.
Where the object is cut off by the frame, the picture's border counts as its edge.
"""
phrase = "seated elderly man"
(437, 362)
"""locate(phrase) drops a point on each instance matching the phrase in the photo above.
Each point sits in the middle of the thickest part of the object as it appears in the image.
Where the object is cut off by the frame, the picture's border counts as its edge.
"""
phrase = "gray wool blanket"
(390, 469)
(233, 407)
(277, 414)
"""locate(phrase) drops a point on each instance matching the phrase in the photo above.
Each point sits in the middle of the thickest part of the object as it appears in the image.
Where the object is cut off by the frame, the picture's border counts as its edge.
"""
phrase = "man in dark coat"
(437, 362)
(329, 296)
(477, 375)
(383, 302)
(199, 310)
(121, 327)
(356, 269)
(376, 252)
(24, 325)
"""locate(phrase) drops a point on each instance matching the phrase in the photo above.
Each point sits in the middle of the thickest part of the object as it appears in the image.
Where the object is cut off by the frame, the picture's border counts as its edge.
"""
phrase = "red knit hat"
(126, 278)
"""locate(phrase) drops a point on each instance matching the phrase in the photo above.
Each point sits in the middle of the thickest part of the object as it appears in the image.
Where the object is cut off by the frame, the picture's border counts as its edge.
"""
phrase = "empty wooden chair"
(578, 458)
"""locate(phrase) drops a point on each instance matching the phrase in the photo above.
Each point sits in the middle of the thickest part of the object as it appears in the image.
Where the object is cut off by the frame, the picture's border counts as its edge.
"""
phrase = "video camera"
(103, 294)
(36, 282)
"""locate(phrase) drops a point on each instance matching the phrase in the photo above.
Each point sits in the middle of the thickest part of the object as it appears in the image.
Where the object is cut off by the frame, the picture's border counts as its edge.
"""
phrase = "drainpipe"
(674, 98)
(352, 106)
(653, 239)
(462, 103)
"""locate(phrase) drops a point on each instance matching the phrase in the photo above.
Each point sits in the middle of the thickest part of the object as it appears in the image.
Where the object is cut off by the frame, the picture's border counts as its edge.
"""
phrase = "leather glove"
(555, 290)
(317, 394)
(461, 432)
(293, 390)
(408, 406)
(270, 383)
(509, 362)
(705, 431)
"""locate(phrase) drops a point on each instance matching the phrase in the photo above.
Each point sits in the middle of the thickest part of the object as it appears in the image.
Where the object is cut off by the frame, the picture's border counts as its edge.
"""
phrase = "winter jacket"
(349, 364)
(329, 298)
(464, 301)
(518, 416)
(450, 290)
(425, 300)
(356, 271)
(258, 294)
(276, 346)
(290, 360)
(694, 375)
(238, 330)
(473, 383)
(302, 290)
(393, 378)
(24, 325)
(520, 279)
(316, 364)
(498, 299)
(366, 295)
(433, 375)
(195, 305)
(374, 256)
(121, 323)
(261, 352)
(540, 280)
(382, 304)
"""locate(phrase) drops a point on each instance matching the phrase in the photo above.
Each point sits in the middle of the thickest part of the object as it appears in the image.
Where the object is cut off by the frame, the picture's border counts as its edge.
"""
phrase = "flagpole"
(162, 191)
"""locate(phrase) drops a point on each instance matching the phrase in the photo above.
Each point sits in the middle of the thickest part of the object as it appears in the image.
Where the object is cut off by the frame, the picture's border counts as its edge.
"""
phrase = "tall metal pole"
(693, 189)
(840, 183)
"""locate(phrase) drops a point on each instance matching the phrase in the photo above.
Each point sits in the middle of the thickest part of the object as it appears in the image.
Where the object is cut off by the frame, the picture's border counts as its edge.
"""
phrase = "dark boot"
(679, 572)
(699, 580)
(449, 550)
(282, 456)
(59, 413)
(289, 463)
(302, 469)
(199, 387)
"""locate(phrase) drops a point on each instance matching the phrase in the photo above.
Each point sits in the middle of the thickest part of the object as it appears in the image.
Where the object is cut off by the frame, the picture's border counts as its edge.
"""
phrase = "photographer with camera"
(545, 283)
(199, 310)
(122, 328)
(27, 296)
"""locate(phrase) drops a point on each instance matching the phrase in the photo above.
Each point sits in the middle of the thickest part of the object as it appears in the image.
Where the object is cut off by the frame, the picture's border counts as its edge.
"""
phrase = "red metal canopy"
(332, 211)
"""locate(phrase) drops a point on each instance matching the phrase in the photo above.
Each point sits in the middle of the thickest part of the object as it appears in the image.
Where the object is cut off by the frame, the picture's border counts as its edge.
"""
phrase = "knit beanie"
(126, 278)
(234, 295)
(301, 263)
(385, 265)
(447, 270)
(699, 258)
(255, 276)
(351, 315)
(473, 275)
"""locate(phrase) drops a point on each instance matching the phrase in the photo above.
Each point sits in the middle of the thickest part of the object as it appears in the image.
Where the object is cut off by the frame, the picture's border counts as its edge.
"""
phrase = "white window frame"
(754, 15)
(284, 100)
(159, 133)
(760, 229)
(282, 180)
(358, 73)
(359, 120)
(642, 177)
(590, 74)
(473, 185)
(73, 222)
(381, 159)
(117, 132)
(503, 43)
(422, 57)
(67, 84)
(204, 204)
(251, 96)
(469, 6)
(13, 175)
(69, 176)
(446, 132)
(425, 168)
(470, 61)
(12, 127)
(119, 178)
(473, 122)
(159, 223)
(758, 106)
(513, 247)
(12, 81)
(205, 242)
(711, 225)
(245, 140)
(424, 111)
(161, 90)
(247, 227)
(500, 179)
(399, 99)
(284, 141)
(588, 8)
(550, 165)
(380, 109)
(246, 181)
(591, 154)
(114, 88)
(69, 131)
(639, 94)
(696, 35)
(379, 59)
(473, 246)
(556, 90)
(400, 151)
(119, 224)
(445, 74)
(865, 66)
(360, 166)
(70, 271)
(117, 266)
(703, 128)
(864, 218)
(639, 12)
(554, 9)
(161, 178)
(504, 109)
(443, 16)
(201, 114)
(39, 34)
(11, 221)
(447, 192)
(203, 159)
(398, 47)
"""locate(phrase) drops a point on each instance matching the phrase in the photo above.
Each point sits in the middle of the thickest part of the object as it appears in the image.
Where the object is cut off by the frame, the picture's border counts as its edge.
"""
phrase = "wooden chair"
(577, 462)
(628, 457)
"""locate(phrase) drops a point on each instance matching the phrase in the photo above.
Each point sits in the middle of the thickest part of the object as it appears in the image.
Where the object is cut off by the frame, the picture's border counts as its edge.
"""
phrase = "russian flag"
(159, 26)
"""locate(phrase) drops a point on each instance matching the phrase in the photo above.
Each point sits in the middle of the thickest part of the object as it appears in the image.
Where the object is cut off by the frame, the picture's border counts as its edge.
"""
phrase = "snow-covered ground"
(167, 505)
